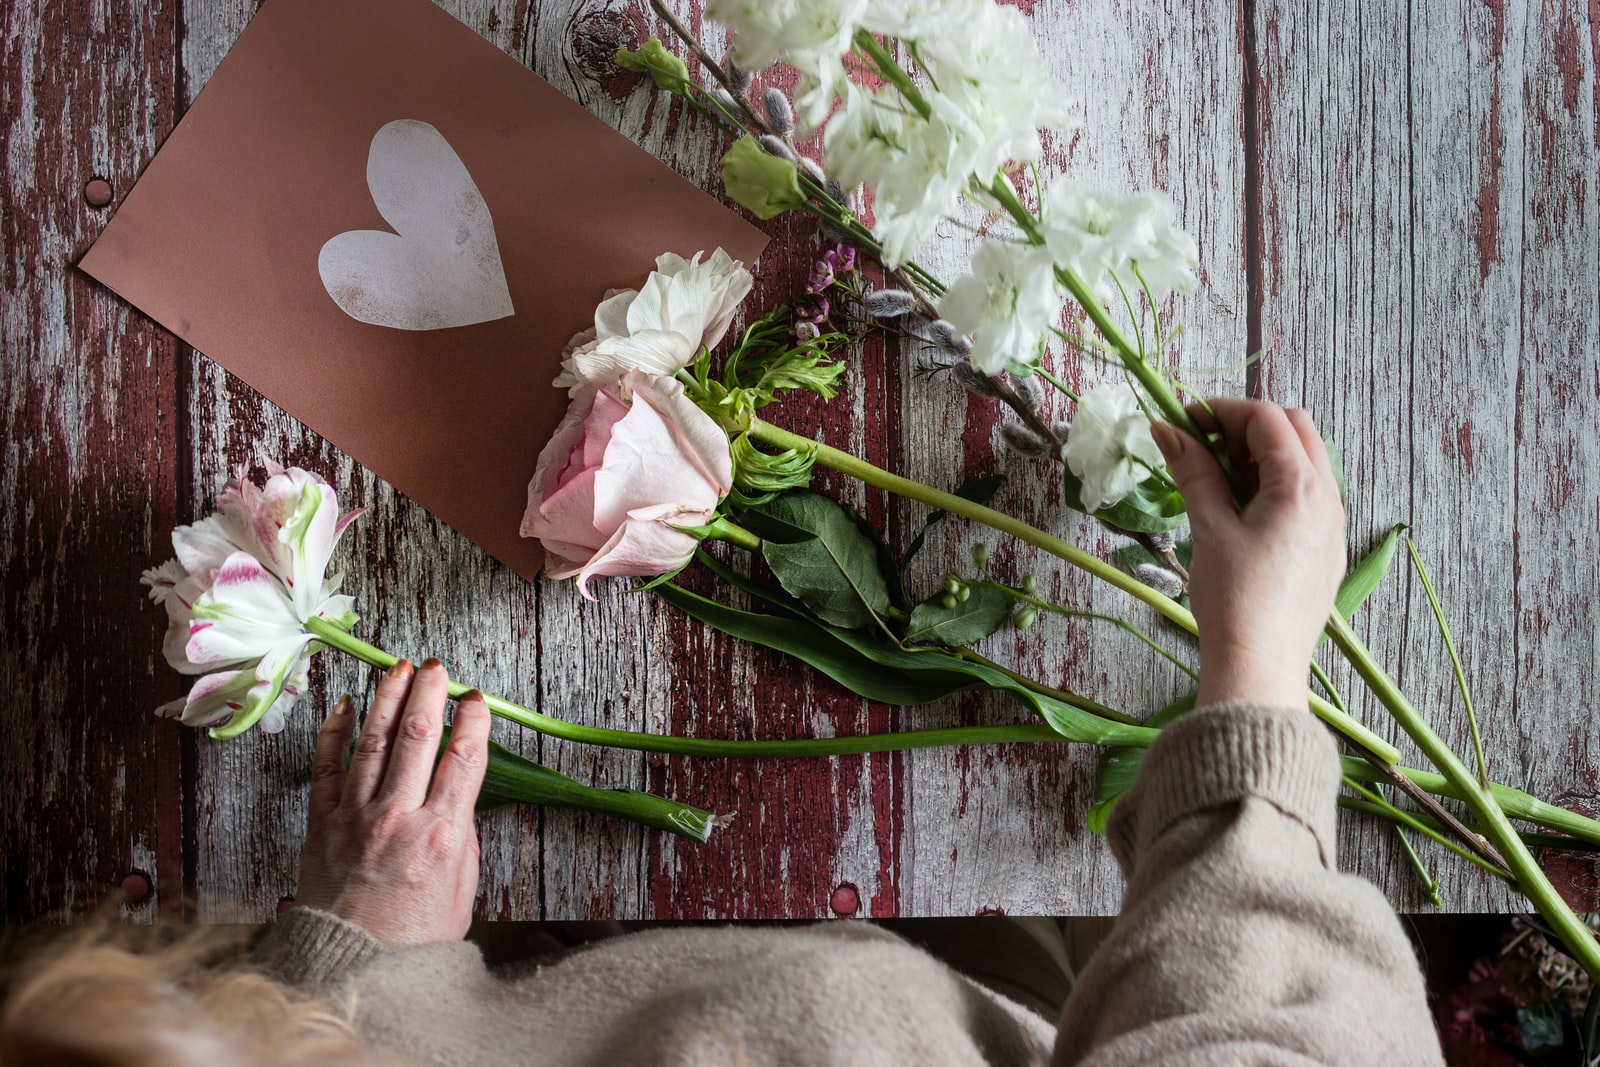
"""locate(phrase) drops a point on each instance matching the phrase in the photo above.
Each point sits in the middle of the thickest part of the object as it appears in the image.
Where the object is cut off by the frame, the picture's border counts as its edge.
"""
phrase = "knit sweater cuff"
(1223, 754)
(310, 948)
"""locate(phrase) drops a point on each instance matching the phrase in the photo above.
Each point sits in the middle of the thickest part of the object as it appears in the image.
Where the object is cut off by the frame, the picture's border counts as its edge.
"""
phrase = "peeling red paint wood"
(1423, 203)
(90, 790)
(1423, 301)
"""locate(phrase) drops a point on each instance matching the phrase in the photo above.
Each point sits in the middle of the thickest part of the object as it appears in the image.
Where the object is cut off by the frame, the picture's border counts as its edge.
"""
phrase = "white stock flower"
(685, 304)
(1095, 233)
(243, 584)
(1006, 303)
(1109, 447)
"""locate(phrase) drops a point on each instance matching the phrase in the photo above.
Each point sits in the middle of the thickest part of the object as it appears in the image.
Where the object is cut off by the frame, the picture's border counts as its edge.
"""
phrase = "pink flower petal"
(641, 547)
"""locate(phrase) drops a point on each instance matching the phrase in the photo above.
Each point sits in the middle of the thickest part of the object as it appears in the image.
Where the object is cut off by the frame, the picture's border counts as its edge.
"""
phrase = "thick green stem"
(1063, 695)
(336, 638)
(1514, 802)
(845, 463)
(1496, 827)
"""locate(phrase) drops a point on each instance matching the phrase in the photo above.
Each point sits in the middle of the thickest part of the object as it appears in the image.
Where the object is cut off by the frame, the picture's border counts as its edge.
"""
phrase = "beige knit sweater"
(1239, 943)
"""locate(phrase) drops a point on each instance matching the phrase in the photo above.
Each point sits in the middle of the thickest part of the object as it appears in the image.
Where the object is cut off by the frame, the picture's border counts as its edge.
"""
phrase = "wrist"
(1228, 676)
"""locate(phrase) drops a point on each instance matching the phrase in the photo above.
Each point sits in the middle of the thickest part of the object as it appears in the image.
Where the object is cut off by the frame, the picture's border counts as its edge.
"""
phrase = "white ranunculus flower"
(1109, 447)
(1095, 233)
(1007, 302)
(685, 304)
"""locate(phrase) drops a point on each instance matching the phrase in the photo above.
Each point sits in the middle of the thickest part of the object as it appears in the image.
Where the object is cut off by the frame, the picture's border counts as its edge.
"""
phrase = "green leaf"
(978, 490)
(1365, 576)
(820, 555)
(1336, 461)
(869, 665)
(985, 611)
(1119, 766)
(513, 779)
(1150, 508)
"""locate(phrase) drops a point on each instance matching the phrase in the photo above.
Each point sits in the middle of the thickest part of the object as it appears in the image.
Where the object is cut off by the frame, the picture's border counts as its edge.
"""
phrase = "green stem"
(1514, 802)
(1482, 800)
(1455, 658)
(723, 528)
(845, 463)
(1074, 613)
(336, 638)
(1064, 695)
(1374, 802)
(892, 72)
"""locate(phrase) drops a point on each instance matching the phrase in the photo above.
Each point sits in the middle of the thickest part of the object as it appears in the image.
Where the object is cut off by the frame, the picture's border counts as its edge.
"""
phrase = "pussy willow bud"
(836, 189)
(1160, 579)
(1024, 618)
(779, 112)
(726, 100)
(980, 554)
(776, 146)
(737, 75)
(972, 379)
(1061, 429)
(1028, 389)
(947, 339)
(811, 170)
(890, 303)
(1023, 441)
(1163, 541)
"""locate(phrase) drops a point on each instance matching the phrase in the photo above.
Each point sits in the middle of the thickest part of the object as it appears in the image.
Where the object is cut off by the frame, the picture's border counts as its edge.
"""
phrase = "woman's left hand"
(383, 849)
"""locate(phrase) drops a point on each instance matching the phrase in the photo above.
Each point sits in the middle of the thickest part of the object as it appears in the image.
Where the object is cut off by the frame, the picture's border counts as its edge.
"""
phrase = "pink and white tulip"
(237, 596)
(628, 464)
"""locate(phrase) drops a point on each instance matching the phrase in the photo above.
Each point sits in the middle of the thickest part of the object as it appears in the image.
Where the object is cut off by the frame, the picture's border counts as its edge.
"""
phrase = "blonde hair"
(117, 996)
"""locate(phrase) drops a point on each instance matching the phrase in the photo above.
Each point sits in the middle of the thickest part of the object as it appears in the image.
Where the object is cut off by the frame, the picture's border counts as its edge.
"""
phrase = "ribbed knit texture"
(1239, 943)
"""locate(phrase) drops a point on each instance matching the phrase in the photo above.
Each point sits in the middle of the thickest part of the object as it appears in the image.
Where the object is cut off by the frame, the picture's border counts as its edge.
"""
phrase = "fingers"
(327, 764)
(416, 739)
(461, 768)
(377, 735)
(1199, 476)
(1316, 450)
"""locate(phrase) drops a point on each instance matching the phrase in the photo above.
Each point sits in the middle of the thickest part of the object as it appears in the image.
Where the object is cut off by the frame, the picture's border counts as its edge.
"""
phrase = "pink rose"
(627, 464)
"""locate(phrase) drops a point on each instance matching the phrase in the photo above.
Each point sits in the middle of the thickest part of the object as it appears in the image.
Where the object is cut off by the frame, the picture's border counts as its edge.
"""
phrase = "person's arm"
(390, 858)
(1239, 940)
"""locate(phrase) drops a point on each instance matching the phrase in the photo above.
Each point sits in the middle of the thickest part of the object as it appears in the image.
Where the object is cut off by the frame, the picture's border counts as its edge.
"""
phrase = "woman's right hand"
(1263, 578)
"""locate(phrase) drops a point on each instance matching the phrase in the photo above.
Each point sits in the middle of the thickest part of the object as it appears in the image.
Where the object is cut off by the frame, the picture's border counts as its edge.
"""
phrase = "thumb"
(1199, 476)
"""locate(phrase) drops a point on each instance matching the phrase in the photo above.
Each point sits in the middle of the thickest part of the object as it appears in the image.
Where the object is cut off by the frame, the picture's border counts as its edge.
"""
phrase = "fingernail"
(1169, 440)
(344, 706)
(431, 664)
(401, 668)
(473, 694)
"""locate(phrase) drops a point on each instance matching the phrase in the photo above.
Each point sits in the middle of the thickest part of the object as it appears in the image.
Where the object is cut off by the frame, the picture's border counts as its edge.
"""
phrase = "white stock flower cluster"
(985, 95)
(1130, 236)
(1109, 446)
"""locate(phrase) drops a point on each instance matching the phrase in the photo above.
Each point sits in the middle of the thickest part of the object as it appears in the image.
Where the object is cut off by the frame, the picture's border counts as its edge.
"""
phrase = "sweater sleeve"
(313, 950)
(1239, 940)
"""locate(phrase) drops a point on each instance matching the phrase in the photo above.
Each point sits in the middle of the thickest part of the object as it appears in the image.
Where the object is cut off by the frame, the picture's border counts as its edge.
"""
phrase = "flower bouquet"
(668, 444)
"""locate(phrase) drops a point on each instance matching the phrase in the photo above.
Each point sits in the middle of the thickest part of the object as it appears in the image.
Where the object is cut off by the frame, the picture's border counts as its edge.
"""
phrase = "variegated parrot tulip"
(237, 596)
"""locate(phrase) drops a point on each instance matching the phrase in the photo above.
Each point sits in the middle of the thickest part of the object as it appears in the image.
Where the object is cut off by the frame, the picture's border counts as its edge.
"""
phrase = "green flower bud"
(1024, 618)
(980, 554)
(948, 602)
(762, 182)
(1030, 585)
(965, 594)
(652, 58)
(952, 584)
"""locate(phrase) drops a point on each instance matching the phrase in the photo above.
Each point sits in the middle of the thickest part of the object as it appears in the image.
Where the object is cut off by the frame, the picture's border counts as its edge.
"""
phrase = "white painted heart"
(441, 267)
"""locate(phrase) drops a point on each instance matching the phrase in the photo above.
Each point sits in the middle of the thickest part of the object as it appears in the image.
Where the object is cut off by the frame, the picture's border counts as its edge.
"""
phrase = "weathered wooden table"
(1396, 204)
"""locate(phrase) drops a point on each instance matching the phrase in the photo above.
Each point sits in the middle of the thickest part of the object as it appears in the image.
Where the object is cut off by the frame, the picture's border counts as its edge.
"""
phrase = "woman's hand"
(383, 849)
(1263, 579)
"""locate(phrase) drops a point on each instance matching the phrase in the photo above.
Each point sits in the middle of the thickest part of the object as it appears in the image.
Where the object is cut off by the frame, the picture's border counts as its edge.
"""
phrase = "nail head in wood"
(97, 193)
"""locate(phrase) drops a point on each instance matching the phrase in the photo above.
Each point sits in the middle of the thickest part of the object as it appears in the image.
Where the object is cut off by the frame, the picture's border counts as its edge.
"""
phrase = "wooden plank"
(90, 786)
(1003, 828)
(1400, 182)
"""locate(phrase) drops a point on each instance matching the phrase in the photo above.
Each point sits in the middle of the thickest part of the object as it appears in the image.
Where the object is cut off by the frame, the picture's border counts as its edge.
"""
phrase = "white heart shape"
(441, 267)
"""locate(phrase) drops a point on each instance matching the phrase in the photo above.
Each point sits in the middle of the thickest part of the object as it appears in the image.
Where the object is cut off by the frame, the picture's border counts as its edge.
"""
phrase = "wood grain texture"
(90, 785)
(1428, 222)
(1420, 184)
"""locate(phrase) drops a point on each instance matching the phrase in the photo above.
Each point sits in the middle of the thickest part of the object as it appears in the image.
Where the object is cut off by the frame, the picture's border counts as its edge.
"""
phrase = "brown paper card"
(426, 356)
